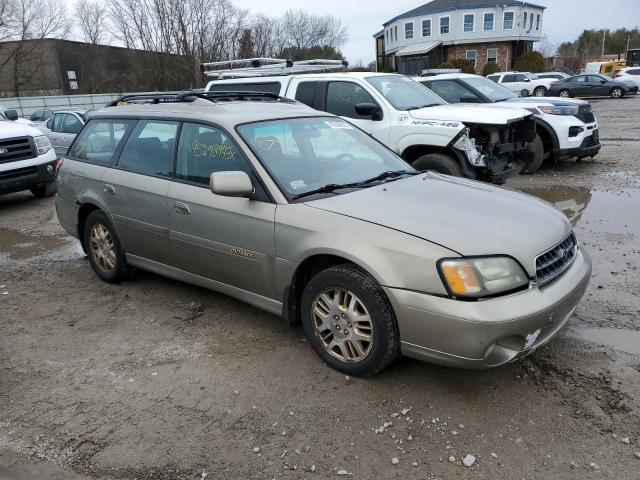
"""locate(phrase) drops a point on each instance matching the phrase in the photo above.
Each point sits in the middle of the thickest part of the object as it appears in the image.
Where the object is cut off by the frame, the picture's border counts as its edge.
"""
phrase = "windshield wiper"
(363, 184)
(325, 189)
(385, 175)
(422, 106)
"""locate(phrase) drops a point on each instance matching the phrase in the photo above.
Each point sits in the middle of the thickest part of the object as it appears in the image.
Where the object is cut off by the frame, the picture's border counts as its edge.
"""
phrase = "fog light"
(50, 169)
(575, 131)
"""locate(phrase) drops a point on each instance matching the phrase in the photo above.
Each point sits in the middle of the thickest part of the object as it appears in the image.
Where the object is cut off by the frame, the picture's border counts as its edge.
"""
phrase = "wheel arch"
(548, 136)
(413, 152)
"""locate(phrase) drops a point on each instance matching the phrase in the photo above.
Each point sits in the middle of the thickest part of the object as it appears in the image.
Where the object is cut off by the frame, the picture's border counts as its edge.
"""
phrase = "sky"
(564, 19)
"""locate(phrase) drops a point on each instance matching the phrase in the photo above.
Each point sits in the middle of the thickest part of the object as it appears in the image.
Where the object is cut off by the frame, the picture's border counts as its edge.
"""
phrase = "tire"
(44, 190)
(524, 93)
(537, 148)
(540, 92)
(438, 162)
(564, 93)
(104, 248)
(328, 321)
(616, 92)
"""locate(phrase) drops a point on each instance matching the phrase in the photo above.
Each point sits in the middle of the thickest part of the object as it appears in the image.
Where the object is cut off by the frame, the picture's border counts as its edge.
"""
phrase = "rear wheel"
(44, 190)
(103, 246)
(617, 92)
(564, 93)
(537, 149)
(349, 322)
(540, 92)
(524, 92)
(438, 162)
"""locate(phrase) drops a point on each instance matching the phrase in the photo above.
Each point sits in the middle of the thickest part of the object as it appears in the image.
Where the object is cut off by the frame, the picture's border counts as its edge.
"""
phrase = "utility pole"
(604, 37)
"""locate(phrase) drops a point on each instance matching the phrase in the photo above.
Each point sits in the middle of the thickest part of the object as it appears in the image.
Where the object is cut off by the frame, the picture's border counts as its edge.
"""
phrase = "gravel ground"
(155, 379)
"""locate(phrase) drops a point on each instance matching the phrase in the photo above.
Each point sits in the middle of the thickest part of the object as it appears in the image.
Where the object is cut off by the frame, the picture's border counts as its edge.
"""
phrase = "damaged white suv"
(483, 142)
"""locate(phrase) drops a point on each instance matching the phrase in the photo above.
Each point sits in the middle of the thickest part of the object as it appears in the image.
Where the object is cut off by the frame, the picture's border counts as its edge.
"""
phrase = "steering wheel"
(344, 158)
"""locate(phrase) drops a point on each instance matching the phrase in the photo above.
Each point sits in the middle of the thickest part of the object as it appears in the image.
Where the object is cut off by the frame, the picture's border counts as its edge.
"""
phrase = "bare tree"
(91, 17)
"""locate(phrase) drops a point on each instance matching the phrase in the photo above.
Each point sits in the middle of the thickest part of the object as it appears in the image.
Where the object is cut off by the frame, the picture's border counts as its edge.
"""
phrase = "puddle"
(16, 245)
(600, 211)
(623, 340)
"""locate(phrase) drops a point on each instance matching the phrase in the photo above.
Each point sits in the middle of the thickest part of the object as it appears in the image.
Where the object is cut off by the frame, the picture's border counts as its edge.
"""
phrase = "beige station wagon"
(302, 214)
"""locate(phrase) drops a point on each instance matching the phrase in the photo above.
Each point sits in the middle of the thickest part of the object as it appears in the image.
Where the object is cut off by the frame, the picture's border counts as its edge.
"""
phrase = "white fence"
(27, 105)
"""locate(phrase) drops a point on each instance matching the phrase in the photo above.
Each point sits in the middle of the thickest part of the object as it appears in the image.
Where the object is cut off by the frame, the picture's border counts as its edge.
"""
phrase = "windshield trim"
(287, 196)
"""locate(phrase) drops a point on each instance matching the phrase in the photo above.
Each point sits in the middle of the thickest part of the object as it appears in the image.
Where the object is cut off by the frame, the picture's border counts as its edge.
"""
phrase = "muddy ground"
(130, 382)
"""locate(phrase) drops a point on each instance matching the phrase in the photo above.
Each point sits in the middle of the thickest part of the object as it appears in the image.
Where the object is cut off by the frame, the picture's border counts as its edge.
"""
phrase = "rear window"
(150, 148)
(306, 93)
(99, 140)
(269, 87)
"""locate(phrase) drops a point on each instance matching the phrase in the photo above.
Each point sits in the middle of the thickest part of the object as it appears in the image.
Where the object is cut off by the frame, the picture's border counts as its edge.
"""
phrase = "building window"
(507, 22)
(471, 56)
(444, 25)
(488, 22)
(492, 55)
(538, 22)
(524, 21)
(426, 28)
(469, 20)
(531, 22)
(395, 30)
(408, 31)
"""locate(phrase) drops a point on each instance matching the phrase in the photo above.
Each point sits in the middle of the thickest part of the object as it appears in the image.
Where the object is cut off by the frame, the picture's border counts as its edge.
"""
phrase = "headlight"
(43, 145)
(481, 276)
(557, 110)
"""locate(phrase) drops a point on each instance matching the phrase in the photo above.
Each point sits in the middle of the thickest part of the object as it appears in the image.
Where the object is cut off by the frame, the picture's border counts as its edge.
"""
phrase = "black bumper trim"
(13, 184)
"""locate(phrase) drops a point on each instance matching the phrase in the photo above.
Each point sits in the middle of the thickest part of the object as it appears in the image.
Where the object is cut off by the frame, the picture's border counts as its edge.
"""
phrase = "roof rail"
(265, 67)
(191, 96)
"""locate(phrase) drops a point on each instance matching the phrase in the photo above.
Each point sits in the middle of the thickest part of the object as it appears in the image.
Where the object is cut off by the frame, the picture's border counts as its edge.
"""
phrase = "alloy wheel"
(343, 325)
(616, 93)
(564, 94)
(102, 248)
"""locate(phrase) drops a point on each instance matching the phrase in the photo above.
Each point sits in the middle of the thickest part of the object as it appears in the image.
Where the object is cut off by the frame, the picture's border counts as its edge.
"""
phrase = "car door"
(599, 85)
(135, 189)
(55, 134)
(224, 239)
(580, 86)
(509, 81)
(341, 97)
(71, 126)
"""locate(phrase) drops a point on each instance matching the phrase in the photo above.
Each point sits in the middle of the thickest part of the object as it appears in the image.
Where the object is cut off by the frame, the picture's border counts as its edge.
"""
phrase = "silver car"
(305, 216)
(63, 127)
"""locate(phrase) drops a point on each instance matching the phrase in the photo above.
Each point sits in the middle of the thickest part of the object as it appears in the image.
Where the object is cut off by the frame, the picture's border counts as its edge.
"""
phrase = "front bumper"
(589, 147)
(24, 175)
(487, 333)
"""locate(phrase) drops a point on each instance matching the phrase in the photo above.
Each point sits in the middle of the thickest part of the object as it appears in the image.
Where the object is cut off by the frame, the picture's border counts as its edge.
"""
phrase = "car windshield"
(404, 93)
(303, 155)
(492, 90)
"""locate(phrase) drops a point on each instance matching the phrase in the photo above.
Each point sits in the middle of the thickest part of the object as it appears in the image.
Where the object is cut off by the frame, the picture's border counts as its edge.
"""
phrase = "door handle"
(108, 189)
(181, 208)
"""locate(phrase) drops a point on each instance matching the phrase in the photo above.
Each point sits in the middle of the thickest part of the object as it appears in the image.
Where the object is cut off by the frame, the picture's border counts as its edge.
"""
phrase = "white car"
(27, 160)
(482, 142)
(12, 116)
(631, 74)
(566, 127)
(523, 83)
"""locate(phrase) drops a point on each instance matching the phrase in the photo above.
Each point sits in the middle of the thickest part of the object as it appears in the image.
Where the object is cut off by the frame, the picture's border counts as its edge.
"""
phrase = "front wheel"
(438, 162)
(44, 190)
(537, 149)
(564, 93)
(349, 322)
(540, 92)
(103, 246)
(617, 92)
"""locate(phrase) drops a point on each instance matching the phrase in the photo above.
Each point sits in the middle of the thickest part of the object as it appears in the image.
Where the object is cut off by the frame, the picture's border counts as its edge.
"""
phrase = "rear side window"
(452, 91)
(342, 98)
(270, 87)
(150, 148)
(495, 78)
(634, 71)
(204, 150)
(99, 140)
(509, 79)
(306, 93)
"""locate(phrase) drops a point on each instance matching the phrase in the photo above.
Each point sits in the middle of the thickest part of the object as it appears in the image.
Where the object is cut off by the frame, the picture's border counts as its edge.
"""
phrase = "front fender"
(435, 136)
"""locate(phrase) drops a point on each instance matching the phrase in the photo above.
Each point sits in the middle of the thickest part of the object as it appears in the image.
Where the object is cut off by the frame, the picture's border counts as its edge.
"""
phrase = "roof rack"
(191, 96)
(265, 67)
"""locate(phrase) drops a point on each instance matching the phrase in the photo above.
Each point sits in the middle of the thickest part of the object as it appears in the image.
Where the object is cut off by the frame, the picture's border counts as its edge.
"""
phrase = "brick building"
(477, 30)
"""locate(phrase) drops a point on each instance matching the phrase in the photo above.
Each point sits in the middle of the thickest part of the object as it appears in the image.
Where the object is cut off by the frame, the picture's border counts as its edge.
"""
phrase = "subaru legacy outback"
(302, 214)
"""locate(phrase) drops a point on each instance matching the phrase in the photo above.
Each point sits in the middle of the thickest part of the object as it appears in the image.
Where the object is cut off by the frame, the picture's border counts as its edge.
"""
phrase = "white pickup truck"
(27, 160)
(481, 142)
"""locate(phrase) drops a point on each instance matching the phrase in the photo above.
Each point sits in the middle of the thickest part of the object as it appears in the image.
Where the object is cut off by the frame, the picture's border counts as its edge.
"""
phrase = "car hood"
(10, 129)
(468, 217)
(470, 113)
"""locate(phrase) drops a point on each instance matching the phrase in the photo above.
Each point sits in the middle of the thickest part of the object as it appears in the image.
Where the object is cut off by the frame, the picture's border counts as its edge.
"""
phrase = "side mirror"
(603, 81)
(527, 80)
(11, 115)
(469, 99)
(231, 184)
(369, 110)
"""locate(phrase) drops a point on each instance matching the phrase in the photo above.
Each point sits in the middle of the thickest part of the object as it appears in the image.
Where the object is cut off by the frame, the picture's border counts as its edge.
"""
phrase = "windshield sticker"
(297, 184)
(212, 151)
(435, 123)
(340, 125)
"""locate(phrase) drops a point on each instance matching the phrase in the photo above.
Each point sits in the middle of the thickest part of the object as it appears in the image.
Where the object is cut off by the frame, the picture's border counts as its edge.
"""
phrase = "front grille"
(552, 263)
(14, 149)
(592, 140)
(586, 114)
(18, 172)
